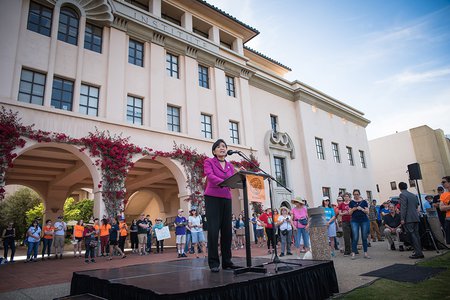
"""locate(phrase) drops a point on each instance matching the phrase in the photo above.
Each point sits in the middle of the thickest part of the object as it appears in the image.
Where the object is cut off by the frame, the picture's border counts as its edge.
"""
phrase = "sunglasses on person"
(444, 182)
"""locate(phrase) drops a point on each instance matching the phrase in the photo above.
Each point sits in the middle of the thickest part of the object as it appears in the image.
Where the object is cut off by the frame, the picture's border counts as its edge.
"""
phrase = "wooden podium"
(239, 181)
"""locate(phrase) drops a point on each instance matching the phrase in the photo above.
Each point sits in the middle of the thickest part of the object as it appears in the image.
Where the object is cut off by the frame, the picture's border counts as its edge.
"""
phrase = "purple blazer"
(215, 174)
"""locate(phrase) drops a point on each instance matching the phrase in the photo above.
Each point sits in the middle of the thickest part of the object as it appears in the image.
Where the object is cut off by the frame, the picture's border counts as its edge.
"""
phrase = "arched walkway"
(54, 171)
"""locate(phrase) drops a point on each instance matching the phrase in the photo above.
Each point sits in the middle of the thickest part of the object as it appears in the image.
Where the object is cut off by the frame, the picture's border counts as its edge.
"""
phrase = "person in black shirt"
(392, 226)
(436, 201)
(142, 225)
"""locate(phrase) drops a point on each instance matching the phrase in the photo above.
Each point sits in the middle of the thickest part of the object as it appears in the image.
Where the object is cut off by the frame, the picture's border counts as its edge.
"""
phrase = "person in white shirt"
(196, 225)
(59, 235)
(285, 224)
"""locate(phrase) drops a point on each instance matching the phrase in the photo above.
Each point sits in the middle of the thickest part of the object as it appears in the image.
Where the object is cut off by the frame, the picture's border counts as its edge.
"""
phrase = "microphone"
(231, 152)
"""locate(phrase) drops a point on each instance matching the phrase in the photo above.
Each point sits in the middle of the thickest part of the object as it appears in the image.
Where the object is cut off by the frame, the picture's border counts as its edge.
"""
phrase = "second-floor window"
(230, 86)
(326, 191)
(134, 110)
(32, 87)
(206, 126)
(68, 26)
(173, 118)
(136, 53)
(89, 100)
(280, 170)
(362, 159)
(62, 93)
(350, 156)
(336, 155)
(234, 132)
(172, 65)
(319, 148)
(40, 19)
(203, 76)
(93, 37)
(274, 123)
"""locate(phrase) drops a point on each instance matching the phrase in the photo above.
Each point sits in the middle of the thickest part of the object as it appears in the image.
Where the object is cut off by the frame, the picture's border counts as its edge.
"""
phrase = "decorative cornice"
(99, 11)
(191, 52)
(120, 23)
(267, 58)
(280, 141)
(158, 38)
(220, 64)
(246, 73)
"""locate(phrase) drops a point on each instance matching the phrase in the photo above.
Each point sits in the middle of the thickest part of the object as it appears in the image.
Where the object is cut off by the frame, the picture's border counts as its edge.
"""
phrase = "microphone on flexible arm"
(231, 152)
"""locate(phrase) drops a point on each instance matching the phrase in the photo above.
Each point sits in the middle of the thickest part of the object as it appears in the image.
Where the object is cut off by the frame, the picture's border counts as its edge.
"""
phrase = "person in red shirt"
(344, 212)
(267, 222)
(444, 205)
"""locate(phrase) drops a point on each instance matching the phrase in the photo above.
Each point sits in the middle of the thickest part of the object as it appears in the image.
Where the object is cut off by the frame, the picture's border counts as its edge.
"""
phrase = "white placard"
(163, 233)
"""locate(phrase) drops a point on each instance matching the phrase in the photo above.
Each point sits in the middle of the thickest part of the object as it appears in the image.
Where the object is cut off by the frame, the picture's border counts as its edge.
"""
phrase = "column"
(318, 234)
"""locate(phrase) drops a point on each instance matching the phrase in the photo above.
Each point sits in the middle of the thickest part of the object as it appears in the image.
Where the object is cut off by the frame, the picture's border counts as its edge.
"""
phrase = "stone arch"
(100, 11)
(53, 170)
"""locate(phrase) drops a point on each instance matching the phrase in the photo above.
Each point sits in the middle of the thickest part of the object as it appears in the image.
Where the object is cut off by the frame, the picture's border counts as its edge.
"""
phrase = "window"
(234, 132)
(342, 191)
(378, 188)
(393, 185)
(335, 149)
(68, 26)
(362, 159)
(89, 100)
(203, 76)
(280, 170)
(93, 37)
(40, 19)
(136, 53)
(274, 123)
(350, 156)
(319, 149)
(173, 118)
(172, 65)
(412, 183)
(230, 86)
(138, 3)
(326, 192)
(134, 110)
(369, 195)
(32, 87)
(206, 126)
(62, 94)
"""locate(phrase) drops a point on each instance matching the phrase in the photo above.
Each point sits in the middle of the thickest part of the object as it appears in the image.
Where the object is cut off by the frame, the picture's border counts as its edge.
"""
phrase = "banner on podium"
(255, 188)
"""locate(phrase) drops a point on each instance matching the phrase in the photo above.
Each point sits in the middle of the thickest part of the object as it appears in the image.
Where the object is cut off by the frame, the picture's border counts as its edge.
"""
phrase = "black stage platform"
(192, 279)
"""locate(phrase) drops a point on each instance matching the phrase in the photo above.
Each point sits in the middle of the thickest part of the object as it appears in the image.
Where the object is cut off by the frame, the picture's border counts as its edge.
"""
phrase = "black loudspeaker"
(414, 171)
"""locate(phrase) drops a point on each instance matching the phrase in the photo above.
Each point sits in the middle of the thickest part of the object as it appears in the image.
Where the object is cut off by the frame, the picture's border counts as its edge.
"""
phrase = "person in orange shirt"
(78, 230)
(123, 230)
(444, 205)
(47, 238)
(104, 237)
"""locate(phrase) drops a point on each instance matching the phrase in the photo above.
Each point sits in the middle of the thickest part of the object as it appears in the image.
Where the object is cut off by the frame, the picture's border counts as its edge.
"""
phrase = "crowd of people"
(350, 218)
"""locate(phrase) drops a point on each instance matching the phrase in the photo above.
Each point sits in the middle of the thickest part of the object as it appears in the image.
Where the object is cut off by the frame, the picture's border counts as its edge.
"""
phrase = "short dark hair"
(402, 186)
(447, 178)
(216, 144)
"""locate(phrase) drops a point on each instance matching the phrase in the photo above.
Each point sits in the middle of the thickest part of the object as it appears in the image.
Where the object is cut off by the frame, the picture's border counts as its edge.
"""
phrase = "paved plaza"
(51, 278)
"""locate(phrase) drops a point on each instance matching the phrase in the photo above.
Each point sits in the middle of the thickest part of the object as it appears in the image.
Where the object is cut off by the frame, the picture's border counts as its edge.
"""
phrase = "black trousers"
(122, 242)
(9, 243)
(270, 237)
(218, 214)
(159, 245)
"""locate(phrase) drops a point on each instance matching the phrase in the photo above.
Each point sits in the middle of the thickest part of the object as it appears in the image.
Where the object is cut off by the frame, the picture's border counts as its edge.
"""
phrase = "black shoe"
(282, 254)
(92, 260)
(289, 253)
(401, 248)
(393, 247)
(183, 255)
(230, 267)
(369, 245)
(179, 255)
(215, 269)
(416, 256)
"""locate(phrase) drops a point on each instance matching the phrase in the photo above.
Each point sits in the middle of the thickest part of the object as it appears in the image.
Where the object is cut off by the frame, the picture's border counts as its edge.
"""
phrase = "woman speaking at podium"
(218, 207)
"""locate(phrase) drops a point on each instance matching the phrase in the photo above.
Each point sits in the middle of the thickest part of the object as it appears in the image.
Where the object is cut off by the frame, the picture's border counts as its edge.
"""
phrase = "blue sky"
(389, 59)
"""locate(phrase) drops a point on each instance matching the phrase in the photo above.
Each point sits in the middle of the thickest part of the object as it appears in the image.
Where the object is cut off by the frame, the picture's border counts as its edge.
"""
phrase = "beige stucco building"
(162, 71)
(392, 154)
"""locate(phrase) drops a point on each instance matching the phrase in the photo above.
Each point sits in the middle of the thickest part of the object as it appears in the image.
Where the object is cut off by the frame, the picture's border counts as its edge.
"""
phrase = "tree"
(34, 213)
(14, 209)
(81, 210)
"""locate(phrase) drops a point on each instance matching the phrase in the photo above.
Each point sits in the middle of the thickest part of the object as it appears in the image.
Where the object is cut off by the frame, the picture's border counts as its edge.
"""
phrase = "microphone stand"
(276, 260)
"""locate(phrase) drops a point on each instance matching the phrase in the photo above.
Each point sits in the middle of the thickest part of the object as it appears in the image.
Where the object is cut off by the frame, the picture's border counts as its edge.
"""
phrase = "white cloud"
(409, 77)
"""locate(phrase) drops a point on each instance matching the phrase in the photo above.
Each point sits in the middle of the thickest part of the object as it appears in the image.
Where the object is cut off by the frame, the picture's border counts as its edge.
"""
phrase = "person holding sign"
(218, 207)
(158, 226)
